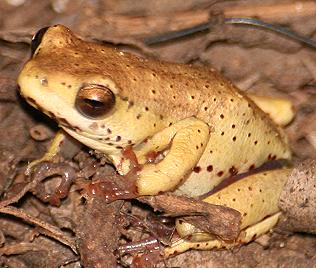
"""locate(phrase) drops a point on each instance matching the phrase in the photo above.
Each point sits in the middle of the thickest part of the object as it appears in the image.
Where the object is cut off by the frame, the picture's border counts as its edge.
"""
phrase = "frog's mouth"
(73, 130)
(60, 120)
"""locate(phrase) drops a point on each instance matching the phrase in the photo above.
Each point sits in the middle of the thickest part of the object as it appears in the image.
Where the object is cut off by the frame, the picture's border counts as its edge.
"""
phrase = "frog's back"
(171, 90)
(242, 136)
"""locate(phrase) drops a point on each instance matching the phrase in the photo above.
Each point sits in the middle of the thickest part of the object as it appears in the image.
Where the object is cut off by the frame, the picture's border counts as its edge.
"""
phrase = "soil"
(44, 225)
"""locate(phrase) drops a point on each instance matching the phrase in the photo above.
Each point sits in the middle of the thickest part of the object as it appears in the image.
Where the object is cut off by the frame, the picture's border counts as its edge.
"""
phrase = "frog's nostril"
(37, 39)
(94, 100)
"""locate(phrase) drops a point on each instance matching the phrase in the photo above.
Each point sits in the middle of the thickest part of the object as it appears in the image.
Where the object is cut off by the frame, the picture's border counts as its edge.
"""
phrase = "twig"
(19, 195)
(147, 25)
(274, 12)
(19, 248)
(221, 221)
(49, 230)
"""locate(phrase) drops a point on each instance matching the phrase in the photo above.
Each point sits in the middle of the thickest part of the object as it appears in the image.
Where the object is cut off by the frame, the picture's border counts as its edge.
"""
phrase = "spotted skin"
(156, 102)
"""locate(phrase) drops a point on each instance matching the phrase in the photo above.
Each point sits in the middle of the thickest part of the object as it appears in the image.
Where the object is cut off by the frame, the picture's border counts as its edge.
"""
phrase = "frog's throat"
(113, 152)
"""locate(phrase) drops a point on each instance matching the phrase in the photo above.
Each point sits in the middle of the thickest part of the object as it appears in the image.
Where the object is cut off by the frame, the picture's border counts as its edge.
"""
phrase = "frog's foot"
(186, 141)
(255, 197)
(280, 110)
(205, 242)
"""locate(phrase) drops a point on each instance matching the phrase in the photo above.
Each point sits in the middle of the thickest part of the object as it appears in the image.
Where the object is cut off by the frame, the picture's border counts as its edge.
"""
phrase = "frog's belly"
(232, 151)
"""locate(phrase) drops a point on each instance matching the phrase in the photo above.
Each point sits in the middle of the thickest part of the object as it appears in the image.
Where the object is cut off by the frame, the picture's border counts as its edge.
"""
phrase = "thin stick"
(50, 230)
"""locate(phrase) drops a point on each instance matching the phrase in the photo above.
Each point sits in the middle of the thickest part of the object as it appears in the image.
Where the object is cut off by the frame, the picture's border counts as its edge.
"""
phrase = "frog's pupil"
(94, 103)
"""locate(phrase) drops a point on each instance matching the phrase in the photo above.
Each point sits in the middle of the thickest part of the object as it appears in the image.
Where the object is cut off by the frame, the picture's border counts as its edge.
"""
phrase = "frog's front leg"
(186, 141)
(44, 167)
(52, 151)
(62, 143)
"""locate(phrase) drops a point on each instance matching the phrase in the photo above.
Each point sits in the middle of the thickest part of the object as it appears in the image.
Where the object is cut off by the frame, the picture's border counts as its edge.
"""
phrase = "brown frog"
(205, 128)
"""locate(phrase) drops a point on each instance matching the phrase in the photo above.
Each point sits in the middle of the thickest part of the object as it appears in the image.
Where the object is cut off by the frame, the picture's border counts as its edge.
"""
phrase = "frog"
(203, 127)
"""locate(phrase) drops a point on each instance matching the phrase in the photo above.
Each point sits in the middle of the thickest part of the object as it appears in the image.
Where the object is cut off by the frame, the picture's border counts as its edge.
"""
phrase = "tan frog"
(108, 100)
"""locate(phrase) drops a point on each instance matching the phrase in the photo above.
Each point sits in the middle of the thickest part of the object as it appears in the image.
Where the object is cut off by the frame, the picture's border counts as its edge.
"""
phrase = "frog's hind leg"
(255, 197)
(280, 110)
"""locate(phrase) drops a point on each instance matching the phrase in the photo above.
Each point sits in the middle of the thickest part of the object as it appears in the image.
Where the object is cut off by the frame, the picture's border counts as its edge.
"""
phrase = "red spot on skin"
(197, 169)
(219, 174)
(209, 168)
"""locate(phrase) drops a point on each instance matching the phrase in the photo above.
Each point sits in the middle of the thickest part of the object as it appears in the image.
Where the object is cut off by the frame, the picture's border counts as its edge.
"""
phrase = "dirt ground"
(86, 231)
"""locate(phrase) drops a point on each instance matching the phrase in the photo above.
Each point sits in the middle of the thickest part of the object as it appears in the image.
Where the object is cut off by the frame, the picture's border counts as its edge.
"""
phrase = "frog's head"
(78, 84)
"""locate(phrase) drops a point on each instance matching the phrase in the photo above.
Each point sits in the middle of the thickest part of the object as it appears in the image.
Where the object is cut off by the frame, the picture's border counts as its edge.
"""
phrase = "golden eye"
(37, 39)
(94, 100)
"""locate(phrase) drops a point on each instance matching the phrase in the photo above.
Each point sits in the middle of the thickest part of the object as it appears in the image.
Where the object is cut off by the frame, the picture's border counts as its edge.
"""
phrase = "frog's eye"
(37, 39)
(94, 100)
